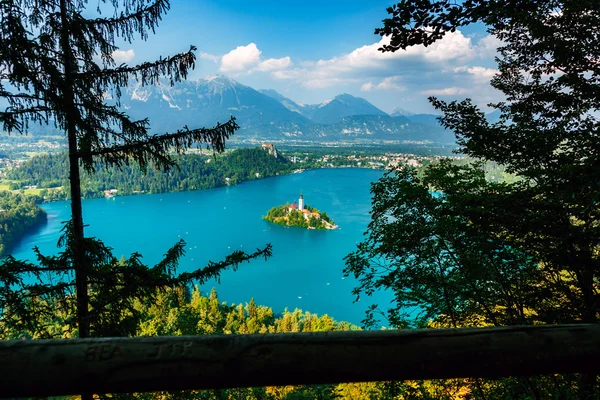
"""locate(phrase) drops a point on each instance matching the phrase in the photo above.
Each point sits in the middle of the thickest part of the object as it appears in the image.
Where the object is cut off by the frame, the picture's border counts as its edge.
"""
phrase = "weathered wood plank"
(44, 368)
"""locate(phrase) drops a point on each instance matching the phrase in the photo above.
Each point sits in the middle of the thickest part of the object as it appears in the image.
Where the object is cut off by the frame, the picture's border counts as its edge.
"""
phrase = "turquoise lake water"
(306, 268)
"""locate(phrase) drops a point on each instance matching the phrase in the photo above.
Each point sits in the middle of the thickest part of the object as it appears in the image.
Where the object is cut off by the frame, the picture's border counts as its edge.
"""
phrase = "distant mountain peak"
(401, 112)
(266, 114)
(323, 104)
(345, 97)
(270, 92)
(218, 77)
(287, 103)
(342, 105)
(219, 81)
(330, 111)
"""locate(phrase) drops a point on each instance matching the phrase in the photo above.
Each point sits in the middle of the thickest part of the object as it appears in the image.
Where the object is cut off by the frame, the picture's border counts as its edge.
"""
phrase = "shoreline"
(35, 226)
(101, 194)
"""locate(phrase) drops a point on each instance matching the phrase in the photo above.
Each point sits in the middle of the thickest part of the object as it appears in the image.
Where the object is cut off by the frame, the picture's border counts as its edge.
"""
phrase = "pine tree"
(56, 68)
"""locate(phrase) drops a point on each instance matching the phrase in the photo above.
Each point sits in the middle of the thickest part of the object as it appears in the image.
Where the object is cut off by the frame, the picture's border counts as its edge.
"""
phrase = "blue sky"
(313, 50)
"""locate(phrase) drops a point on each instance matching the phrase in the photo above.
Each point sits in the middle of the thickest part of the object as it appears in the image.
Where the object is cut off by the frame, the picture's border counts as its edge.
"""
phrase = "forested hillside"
(194, 172)
(18, 214)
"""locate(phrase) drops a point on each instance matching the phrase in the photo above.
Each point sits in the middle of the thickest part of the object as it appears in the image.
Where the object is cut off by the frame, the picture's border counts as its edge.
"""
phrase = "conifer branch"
(157, 147)
(126, 24)
(20, 96)
(214, 269)
(38, 110)
(175, 67)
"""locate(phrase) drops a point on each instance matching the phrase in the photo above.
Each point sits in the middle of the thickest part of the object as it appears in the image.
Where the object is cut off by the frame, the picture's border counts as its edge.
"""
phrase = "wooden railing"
(112, 365)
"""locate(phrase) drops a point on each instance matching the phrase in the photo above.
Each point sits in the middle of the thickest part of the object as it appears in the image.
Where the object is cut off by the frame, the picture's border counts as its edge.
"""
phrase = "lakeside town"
(15, 154)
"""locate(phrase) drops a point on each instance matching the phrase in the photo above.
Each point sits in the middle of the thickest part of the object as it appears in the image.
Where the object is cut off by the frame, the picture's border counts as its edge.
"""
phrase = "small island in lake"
(300, 215)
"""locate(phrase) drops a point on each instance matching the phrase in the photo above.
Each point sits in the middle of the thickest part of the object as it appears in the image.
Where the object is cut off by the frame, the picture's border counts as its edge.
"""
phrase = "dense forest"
(194, 172)
(18, 214)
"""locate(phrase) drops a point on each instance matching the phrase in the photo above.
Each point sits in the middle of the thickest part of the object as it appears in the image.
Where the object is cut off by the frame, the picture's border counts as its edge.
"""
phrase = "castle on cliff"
(270, 148)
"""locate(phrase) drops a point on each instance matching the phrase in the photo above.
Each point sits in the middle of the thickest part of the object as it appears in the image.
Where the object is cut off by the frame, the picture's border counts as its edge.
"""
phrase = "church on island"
(300, 207)
(301, 215)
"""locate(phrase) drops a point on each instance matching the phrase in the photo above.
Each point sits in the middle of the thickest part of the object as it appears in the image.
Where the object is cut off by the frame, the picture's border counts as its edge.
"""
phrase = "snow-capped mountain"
(330, 111)
(267, 114)
(343, 105)
(400, 112)
(204, 103)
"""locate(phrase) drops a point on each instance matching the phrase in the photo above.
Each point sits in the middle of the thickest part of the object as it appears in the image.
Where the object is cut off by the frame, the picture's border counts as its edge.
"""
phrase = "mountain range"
(268, 115)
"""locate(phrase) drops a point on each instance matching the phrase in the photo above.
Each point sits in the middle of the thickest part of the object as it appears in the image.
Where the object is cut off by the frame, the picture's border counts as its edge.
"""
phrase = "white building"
(301, 202)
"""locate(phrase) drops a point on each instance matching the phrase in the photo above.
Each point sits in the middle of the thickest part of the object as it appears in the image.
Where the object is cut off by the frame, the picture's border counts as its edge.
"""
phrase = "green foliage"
(18, 215)
(183, 312)
(282, 215)
(437, 261)
(180, 311)
(325, 217)
(518, 251)
(193, 172)
(547, 135)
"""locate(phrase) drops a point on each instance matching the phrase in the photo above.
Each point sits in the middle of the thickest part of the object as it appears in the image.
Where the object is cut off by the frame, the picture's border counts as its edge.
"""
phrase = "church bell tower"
(301, 202)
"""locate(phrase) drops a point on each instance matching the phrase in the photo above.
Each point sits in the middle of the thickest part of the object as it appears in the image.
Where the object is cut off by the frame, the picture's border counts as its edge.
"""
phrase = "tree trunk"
(587, 382)
(74, 178)
(79, 256)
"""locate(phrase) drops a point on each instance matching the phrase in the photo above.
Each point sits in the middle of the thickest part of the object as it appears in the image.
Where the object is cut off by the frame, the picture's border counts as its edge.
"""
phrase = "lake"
(306, 268)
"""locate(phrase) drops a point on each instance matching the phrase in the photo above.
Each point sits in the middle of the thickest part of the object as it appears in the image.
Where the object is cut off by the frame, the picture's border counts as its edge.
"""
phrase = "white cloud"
(483, 73)
(247, 59)
(480, 73)
(274, 64)
(367, 87)
(311, 80)
(209, 57)
(453, 46)
(488, 46)
(325, 83)
(381, 71)
(240, 59)
(451, 91)
(389, 83)
(289, 74)
(367, 62)
(123, 56)
(453, 66)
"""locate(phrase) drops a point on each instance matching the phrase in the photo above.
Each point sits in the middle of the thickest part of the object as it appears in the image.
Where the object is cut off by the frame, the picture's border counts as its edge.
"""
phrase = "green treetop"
(287, 216)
